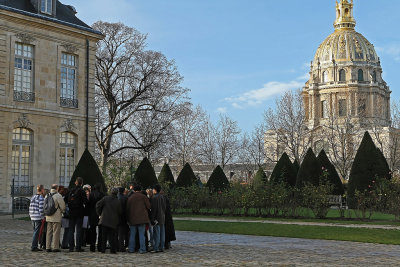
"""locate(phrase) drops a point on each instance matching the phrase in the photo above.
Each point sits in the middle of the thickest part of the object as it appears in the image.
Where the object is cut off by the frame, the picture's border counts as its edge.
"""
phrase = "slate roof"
(64, 14)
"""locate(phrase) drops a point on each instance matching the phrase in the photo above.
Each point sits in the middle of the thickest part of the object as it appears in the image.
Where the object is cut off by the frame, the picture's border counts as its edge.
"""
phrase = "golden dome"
(345, 45)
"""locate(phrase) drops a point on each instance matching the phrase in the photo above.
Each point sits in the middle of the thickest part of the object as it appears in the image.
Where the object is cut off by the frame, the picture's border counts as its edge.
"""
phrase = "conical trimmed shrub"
(296, 166)
(186, 177)
(284, 172)
(310, 170)
(369, 164)
(88, 169)
(145, 175)
(166, 176)
(332, 177)
(260, 178)
(217, 180)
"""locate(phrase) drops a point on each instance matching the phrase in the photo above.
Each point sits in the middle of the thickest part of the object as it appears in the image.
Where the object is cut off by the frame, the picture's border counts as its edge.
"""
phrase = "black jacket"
(76, 202)
(123, 200)
(109, 210)
(94, 197)
(158, 208)
(169, 224)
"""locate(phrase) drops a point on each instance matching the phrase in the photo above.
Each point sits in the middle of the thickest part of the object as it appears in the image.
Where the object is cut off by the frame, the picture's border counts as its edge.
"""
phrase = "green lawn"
(295, 231)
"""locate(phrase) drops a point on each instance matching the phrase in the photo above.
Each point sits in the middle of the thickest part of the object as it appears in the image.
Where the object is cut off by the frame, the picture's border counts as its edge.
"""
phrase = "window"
(46, 6)
(360, 75)
(325, 77)
(342, 75)
(321, 145)
(342, 107)
(374, 77)
(67, 157)
(68, 81)
(324, 109)
(21, 156)
(23, 73)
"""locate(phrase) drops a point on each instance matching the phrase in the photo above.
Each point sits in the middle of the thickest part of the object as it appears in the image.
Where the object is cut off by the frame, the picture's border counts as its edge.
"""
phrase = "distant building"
(47, 112)
(346, 87)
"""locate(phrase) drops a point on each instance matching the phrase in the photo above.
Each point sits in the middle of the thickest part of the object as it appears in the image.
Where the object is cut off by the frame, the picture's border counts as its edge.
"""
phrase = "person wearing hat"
(109, 210)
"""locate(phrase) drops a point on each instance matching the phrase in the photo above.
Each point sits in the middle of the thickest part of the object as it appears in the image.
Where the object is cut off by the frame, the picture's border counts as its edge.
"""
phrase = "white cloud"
(392, 50)
(258, 96)
(222, 110)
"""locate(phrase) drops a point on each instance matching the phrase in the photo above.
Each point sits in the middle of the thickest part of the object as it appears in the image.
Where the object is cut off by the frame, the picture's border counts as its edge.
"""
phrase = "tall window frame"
(46, 6)
(21, 157)
(360, 75)
(69, 69)
(23, 72)
(324, 109)
(325, 77)
(67, 157)
(342, 107)
(342, 75)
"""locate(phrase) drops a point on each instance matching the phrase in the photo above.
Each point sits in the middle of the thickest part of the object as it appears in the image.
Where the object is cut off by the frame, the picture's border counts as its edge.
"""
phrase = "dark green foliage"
(260, 178)
(310, 170)
(217, 180)
(145, 175)
(296, 166)
(369, 164)
(88, 169)
(332, 175)
(284, 172)
(166, 176)
(186, 178)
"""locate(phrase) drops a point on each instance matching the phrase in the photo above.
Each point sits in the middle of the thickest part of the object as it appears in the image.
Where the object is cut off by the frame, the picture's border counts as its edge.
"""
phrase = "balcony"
(24, 96)
(68, 102)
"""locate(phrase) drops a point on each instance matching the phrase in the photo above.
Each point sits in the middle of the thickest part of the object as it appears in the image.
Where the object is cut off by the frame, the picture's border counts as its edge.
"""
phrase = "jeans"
(159, 237)
(151, 239)
(132, 238)
(75, 223)
(36, 228)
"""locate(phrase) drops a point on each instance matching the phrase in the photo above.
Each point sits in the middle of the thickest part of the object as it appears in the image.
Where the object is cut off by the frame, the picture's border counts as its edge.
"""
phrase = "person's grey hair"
(114, 191)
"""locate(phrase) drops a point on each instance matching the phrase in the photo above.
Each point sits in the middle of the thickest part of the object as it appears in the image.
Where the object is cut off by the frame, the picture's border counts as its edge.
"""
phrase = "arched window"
(319, 145)
(360, 75)
(67, 157)
(342, 75)
(21, 157)
(325, 77)
(374, 77)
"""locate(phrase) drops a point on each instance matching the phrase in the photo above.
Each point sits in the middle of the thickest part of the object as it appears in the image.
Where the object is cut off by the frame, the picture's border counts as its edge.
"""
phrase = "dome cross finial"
(344, 15)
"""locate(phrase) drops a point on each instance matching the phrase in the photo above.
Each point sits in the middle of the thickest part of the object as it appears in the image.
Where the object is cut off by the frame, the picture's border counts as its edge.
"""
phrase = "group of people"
(132, 220)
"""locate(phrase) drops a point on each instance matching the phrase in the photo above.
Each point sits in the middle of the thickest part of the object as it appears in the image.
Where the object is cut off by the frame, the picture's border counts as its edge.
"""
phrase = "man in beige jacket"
(54, 221)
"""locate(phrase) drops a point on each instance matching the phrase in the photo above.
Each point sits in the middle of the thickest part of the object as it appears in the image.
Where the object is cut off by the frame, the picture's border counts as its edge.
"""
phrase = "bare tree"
(340, 138)
(208, 142)
(287, 126)
(252, 150)
(227, 140)
(132, 85)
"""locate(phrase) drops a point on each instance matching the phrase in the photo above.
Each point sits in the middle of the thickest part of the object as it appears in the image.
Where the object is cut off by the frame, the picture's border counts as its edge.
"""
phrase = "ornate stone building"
(344, 97)
(47, 62)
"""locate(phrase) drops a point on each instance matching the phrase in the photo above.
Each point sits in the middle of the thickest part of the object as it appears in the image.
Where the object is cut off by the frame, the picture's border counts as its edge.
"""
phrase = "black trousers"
(123, 239)
(110, 234)
(92, 237)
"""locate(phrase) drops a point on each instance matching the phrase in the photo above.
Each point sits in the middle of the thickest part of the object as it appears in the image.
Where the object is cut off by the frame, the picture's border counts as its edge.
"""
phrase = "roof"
(65, 15)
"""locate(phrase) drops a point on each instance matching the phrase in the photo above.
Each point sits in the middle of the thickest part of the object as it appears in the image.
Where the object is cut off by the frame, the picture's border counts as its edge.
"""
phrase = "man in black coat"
(158, 209)
(123, 226)
(76, 202)
(109, 210)
(95, 195)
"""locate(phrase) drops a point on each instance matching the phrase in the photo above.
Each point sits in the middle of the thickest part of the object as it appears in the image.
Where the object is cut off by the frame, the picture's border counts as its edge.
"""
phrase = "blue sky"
(237, 56)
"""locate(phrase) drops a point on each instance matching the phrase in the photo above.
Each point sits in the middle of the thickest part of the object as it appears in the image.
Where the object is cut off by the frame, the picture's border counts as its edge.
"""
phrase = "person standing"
(123, 226)
(76, 202)
(36, 213)
(158, 208)
(109, 210)
(54, 221)
(95, 195)
(138, 216)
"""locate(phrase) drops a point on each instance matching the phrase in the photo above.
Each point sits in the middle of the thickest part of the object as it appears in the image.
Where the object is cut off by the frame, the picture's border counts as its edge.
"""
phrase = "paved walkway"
(203, 249)
(369, 226)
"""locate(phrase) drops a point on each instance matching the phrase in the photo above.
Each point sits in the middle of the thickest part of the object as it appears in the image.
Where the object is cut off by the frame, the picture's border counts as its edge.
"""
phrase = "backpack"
(49, 207)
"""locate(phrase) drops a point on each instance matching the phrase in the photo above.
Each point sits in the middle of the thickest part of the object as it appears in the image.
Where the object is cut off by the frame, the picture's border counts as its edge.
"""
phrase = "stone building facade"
(47, 112)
